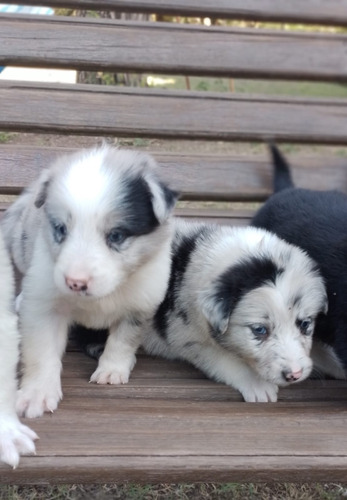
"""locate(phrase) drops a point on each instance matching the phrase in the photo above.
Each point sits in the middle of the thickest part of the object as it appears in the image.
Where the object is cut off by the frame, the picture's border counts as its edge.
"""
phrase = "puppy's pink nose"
(77, 285)
(291, 376)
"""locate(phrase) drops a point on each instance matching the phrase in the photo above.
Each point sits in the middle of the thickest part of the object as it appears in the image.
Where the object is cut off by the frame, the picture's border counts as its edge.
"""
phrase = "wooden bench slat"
(322, 12)
(221, 177)
(155, 435)
(179, 380)
(97, 110)
(153, 470)
(169, 48)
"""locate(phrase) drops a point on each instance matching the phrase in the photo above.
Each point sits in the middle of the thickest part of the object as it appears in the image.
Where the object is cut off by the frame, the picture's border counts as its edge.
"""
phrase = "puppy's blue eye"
(259, 330)
(116, 237)
(59, 232)
(304, 325)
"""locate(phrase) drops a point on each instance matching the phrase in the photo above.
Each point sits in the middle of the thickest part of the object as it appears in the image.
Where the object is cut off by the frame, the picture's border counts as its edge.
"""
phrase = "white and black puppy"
(317, 222)
(91, 236)
(15, 438)
(241, 306)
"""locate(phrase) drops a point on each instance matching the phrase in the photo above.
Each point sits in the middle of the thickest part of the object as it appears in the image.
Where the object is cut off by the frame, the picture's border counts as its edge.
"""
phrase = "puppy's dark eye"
(260, 331)
(59, 232)
(304, 325)
(116, 237)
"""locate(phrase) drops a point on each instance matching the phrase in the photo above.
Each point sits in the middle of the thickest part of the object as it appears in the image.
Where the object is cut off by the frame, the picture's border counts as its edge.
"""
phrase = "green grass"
(6, 137)
(227, 491)
(266, 87)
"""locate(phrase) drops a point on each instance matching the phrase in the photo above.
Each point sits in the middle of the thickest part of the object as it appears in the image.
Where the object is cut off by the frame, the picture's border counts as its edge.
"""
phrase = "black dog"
(317, 222)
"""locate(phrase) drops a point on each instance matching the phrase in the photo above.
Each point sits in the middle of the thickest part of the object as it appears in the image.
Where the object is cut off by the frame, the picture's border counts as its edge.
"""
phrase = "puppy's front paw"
(15, 439)
(33, 399)
(260, 391)
(113, 372)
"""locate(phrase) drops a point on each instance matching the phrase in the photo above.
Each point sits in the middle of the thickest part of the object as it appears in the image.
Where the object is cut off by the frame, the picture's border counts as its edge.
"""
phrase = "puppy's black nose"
(292, 376)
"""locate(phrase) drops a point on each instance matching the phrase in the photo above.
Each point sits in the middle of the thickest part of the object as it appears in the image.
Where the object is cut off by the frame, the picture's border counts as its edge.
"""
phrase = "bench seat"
(171, 424)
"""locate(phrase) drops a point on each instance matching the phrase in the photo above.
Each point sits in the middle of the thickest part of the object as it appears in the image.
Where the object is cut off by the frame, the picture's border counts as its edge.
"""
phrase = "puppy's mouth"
(83, 293)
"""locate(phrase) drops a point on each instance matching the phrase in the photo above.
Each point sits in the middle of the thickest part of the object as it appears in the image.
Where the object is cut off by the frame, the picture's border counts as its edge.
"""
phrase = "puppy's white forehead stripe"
(85, 180)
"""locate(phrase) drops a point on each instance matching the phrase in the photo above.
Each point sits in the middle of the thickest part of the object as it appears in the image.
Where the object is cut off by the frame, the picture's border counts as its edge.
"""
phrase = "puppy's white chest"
(91, 313)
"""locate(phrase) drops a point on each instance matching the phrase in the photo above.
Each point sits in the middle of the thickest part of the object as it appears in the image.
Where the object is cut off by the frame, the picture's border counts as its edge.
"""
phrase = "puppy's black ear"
(42, 195)
(216, 307)
(282, 175)
(163, 197)
(170, 196)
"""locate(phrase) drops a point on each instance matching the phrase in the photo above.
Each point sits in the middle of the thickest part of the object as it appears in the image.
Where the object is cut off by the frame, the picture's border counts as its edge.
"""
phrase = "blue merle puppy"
(241, 305)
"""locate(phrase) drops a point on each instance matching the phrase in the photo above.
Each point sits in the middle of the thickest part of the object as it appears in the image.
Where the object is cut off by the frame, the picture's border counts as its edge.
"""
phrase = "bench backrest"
(167, 48)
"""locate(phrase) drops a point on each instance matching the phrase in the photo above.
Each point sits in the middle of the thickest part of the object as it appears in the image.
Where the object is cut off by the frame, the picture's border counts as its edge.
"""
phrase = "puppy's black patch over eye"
(59, 231)
(304, 325)
(260, 331)
(116, 237)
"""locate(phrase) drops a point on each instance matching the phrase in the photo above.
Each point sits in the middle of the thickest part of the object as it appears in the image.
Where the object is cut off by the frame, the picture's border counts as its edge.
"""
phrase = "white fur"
(15, 438)
(115, 288)
(233, 354)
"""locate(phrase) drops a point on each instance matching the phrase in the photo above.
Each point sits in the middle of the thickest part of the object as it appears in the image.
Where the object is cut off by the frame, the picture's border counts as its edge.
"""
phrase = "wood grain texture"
(333, 12)
(170, 48)
(98, 110)
(220, 177)
(172, 424)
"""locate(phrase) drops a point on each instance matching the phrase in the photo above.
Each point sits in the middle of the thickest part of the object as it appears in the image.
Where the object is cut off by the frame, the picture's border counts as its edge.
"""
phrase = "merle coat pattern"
(241, 306)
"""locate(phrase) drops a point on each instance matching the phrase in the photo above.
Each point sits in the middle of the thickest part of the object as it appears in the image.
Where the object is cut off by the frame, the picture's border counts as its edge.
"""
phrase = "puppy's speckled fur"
(241, 305)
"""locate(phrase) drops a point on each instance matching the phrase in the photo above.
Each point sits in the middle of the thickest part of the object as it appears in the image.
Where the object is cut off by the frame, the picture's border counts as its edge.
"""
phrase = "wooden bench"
(171, 424)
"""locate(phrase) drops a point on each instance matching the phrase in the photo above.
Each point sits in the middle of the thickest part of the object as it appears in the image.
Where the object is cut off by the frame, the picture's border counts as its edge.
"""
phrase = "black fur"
(235, 283)
(41, 198)
(92, 342)
(139, 217)
(170, 196)
(181, 256)
(317, 222)
(245, 276)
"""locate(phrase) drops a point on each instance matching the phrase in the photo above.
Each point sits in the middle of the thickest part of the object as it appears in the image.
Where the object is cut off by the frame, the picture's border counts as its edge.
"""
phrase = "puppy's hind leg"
(118, 358)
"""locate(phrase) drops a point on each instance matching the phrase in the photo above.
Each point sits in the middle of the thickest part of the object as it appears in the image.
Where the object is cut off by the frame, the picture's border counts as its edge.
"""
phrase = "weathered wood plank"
(170, 48)
(98, 110)
(156, 378)
(221, 177)
(333, 12)
(153, 470)
(162, 427)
